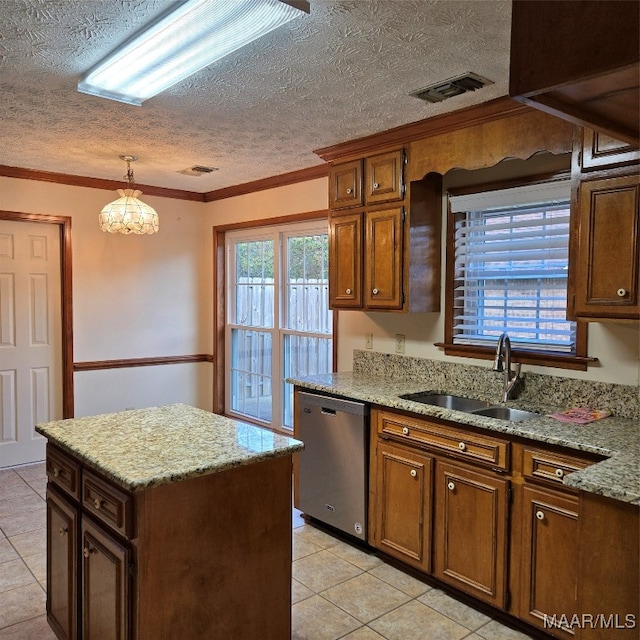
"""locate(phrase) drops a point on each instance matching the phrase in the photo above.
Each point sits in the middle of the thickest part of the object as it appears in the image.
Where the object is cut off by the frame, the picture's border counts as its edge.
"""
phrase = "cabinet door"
(403, 505)
(470, 526)
(345, 261)
(105, 585)
(345, 185)
(384, 177)
(609, 252)
(550, 557)
(600, 151)
(383, 259)
(62, 553)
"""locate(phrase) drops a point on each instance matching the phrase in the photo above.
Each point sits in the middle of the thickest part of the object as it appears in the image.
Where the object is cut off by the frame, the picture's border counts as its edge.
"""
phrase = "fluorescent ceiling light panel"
(182, 42)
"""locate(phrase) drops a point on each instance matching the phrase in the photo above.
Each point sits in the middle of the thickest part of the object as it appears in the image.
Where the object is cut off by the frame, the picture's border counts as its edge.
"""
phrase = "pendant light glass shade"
(127, 214)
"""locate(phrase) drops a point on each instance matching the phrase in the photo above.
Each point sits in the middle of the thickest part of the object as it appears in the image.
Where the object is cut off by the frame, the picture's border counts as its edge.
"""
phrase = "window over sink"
(507, 269)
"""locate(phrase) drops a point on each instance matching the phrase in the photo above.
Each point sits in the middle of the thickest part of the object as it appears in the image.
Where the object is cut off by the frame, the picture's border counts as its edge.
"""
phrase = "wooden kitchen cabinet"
(607, 260)
(578, 60)
(345, 185)
(549, 557)
(345, 261)
(598, 151)
(105, 580)
(62, 557)
(401, 509)
(383, 259)
(470, 531)
(384, 177)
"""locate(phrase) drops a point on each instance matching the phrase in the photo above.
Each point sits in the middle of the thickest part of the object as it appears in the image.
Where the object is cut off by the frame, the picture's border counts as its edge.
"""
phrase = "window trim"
(578, 361)
(219, 299)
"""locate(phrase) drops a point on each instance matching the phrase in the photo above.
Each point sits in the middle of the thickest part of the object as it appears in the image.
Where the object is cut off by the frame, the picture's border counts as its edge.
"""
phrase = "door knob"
(414, 473)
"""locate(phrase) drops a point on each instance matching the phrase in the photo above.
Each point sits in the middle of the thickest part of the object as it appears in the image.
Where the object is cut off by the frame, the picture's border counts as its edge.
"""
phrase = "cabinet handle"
(87, 551)
(405, 431)
(97, 503)
(375, 291)
(559, 473)
(462, 446)
(348, 291)
(621, 292)
(349, 191)
(451, 486)
(56, 472)
(414, 473)
(375, 185)
(63, 531)
(540, 515)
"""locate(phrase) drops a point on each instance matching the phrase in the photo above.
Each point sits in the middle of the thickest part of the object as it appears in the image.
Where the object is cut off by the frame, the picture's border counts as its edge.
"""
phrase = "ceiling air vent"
(198, 170)
(452, 87)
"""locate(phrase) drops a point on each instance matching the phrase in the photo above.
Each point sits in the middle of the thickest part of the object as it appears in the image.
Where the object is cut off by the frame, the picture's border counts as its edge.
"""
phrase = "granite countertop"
(616, 439)
(148, 447)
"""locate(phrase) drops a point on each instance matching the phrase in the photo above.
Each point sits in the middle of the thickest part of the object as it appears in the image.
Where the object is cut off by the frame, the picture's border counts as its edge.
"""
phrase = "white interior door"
(30, 337)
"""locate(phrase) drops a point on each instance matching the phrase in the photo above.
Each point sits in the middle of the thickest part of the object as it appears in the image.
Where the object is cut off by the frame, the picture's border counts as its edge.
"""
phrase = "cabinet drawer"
(455, 442)
(551, 467)
(107, 503)
(63, 472)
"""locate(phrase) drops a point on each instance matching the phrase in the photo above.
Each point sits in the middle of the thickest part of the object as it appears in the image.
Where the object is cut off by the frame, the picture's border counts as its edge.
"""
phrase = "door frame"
(64, 226)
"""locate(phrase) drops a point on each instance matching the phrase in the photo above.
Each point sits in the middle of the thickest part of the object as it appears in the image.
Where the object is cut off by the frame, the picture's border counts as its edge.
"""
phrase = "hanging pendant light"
(127, 214)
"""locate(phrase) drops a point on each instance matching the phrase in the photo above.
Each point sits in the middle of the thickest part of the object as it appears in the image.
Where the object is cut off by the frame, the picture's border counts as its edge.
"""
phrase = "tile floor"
(339, 591)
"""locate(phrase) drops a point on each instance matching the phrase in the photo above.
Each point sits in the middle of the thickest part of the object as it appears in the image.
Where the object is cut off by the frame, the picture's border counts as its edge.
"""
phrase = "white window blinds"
(511, 265)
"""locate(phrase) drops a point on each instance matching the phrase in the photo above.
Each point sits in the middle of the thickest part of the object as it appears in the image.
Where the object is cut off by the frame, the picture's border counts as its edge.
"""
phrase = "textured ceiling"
(340, 73)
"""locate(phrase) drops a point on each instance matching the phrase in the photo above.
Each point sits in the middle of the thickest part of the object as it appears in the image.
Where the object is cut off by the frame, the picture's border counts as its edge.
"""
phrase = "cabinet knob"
(414, 473)
(375, 185)
(63, 531)
(349, 191)
(87, 551)
(451, 486)
(462, 446)
(375, 291)
(348, 291)
(405, 431)
(559, 473)
(540, 515)
(56, 472)
(97, 503)
(621, 292)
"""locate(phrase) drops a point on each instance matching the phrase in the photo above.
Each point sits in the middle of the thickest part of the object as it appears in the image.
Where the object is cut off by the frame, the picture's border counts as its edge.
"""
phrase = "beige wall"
(133, 296)
(147, 296)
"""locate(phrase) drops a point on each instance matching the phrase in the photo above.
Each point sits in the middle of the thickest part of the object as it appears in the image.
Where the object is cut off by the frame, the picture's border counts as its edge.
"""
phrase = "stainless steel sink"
(505, 413)
(446, 400)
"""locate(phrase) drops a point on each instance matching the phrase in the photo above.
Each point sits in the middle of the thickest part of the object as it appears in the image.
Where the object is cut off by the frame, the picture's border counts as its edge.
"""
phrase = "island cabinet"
(384, 247)
(605, 230)
(204, 557)
(492, 517)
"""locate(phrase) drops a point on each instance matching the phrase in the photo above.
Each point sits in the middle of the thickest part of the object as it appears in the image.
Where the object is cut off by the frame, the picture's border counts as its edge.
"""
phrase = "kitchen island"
(169, 522)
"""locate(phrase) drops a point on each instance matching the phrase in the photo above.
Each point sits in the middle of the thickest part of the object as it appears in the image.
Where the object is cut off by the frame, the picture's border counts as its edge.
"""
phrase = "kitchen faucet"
(502, 362)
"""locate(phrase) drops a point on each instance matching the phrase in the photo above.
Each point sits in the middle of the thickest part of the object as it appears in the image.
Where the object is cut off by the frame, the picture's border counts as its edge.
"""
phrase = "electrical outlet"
(368, 340)
(399, 343)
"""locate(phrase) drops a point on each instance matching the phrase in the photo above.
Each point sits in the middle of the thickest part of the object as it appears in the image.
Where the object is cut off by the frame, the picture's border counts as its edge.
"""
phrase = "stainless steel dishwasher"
(333, 467)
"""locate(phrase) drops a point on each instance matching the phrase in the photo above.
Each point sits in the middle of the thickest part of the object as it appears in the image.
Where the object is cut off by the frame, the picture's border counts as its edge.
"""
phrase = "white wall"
(133, 296)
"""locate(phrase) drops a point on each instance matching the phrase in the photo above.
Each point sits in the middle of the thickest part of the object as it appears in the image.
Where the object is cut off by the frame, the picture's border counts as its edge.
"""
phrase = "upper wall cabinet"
(605, 230)
(384, 247)
(579, 60)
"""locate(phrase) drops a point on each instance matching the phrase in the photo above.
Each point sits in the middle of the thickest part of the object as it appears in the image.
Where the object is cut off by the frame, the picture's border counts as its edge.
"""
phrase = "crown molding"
(477, 114)
(96, 183)
(284, 179)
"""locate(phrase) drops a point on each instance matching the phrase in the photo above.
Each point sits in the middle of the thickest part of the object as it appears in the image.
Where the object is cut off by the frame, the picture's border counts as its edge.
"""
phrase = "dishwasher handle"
(328, 412)
(331, 405)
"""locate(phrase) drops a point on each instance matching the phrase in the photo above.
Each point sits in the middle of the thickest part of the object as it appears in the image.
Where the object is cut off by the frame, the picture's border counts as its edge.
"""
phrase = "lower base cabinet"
(470, 531)
(550, 559)
(401, 524)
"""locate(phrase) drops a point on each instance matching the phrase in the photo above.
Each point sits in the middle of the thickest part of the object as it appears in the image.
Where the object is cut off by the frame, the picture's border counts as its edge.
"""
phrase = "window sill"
(540, 358)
